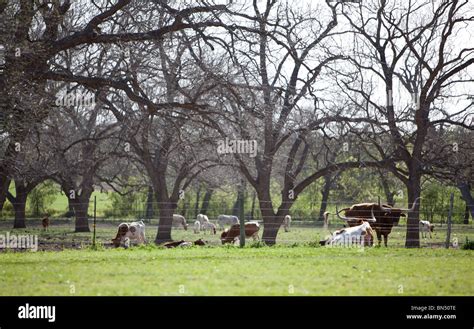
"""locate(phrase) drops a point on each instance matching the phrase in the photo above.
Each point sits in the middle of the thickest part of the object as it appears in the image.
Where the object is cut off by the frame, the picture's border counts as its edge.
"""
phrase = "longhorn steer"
(385, 217)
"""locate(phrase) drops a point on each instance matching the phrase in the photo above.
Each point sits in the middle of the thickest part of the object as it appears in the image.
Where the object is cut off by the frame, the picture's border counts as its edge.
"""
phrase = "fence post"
(450, 215)
(95, 221)
(242, 212)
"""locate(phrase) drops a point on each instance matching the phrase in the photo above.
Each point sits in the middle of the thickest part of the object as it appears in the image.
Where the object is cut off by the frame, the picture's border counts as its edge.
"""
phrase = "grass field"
(301, 270)
(297, 266)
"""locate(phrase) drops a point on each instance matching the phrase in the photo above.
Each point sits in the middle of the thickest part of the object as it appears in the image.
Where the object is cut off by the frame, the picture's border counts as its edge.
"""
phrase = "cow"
(385, 217)
(130, 231)
(287, 223)
(183, 243)
(202, 219)
(361, 234)
(179, 220)
(197, 227)
(251, 231)
(208, 226)
(426, 227)
(45, 222)
(227, 220)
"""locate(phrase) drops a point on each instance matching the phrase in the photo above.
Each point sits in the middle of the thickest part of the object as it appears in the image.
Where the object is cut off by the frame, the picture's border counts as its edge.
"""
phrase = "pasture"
(296, 266)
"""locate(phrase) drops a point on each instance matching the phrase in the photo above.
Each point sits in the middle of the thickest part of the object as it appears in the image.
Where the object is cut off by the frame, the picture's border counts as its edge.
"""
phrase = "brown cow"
(386, 217)
(45, 222)
(251, 230)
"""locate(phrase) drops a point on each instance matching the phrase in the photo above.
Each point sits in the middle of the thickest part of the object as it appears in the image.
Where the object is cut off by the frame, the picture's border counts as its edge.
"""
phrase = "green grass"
(232, 271)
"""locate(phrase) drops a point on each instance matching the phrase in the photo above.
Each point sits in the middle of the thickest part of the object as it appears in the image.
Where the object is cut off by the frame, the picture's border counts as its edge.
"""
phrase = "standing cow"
(386, 217)
(179, 220)
(223, 220)
(231, 234)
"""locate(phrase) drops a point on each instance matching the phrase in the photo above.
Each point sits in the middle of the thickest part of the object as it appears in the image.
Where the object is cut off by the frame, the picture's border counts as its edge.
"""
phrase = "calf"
(179, 220)
(130, 231)
(251, 231)
(197, 227)
(426, 227)
(361, 234)
(287, 223)
(208, 226)
(227, 220)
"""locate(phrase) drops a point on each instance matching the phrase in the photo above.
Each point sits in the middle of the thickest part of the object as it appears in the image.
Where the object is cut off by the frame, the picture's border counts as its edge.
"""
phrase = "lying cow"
(130, 231)
(362, 235)
(426, 227)
(223, 220)
(179, 220)
(233, 233)
(183, 243)
(287, 223)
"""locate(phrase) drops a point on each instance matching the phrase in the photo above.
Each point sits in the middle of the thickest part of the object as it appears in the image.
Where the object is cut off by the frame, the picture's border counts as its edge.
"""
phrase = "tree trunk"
(325, 196)
(20, 210)
(413, 226)
(81, 207)
(149, 204)
(252, 211)
(389, 195)
(4, 185)
(166, 220)
(465, 189)
(271, 226)
(206, 201)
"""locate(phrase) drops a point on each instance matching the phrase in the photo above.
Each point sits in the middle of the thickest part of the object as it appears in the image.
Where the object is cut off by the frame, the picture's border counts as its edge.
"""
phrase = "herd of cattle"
(364, 221)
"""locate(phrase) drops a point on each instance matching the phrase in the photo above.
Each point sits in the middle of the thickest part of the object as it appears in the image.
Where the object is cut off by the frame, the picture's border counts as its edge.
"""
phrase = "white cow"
(426, 227)
(287, 223)
(128, 232)
(361, 234)
(202, 219)
(197, 227)
(209, 226)
(223, 220)
(179, 220)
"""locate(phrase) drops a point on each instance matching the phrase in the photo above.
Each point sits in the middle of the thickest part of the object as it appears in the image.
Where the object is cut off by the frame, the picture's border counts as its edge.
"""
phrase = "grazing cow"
(208, 226)
(197, 227)
(179, 220)
(130, 231)
(426, 227)
(287, 223)
(385, 217)
(202, 219)
(251, 231)
(227, 220)
(45, 222)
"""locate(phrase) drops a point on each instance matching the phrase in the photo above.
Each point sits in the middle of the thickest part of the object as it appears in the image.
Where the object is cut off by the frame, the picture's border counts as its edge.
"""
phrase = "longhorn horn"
(412, 207)
(373, 219)
(346, 218)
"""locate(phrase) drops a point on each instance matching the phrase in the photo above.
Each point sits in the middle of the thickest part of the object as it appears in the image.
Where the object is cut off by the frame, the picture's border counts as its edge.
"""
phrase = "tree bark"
(413, 226)
(149, 204)
(465, 190)
(206, 201)
(20, 209)
(252, 211)
(325, 196)
(81, 207)
(164, 226)
(4, 185)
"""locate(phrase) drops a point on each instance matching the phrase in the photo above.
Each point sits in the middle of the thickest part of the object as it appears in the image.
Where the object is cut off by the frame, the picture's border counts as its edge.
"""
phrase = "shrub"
(469, 245)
